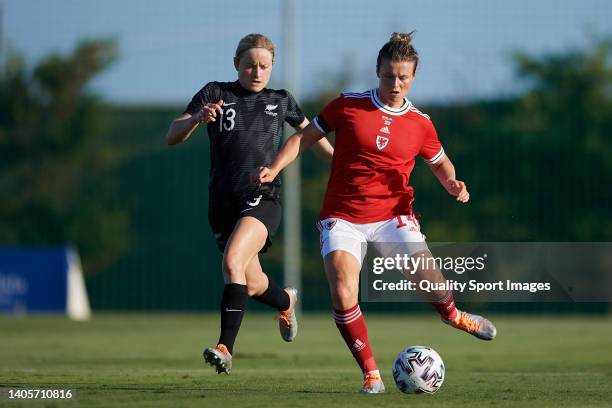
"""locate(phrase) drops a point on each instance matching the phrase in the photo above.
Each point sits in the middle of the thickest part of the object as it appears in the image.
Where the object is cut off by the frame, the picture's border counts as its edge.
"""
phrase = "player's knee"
(255, 288)
(233, 268)
(345, 293)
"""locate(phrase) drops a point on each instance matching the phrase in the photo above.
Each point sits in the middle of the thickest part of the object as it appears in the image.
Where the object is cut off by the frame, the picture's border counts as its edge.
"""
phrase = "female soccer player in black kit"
(244, 122)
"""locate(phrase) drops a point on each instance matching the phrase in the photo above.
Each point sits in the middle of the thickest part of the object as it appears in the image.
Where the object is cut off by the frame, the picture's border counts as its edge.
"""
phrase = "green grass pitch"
(130, 360)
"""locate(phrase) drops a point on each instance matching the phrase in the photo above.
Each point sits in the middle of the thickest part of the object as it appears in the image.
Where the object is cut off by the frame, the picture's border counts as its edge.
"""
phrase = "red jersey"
(374, 155)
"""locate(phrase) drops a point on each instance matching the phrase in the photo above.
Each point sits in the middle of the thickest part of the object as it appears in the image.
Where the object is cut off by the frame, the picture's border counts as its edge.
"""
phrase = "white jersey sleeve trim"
(436, 158)
(415, 110)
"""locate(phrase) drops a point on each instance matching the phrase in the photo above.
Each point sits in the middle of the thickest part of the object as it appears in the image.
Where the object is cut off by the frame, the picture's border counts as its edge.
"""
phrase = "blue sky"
(170, 49)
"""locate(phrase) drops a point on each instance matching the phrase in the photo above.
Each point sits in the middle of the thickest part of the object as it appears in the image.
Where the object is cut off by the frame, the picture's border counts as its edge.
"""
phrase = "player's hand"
(209, 112)
(266, 175)
(458, 189)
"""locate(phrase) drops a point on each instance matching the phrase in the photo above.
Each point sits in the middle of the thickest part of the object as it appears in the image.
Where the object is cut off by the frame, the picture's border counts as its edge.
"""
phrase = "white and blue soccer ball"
(418, 369)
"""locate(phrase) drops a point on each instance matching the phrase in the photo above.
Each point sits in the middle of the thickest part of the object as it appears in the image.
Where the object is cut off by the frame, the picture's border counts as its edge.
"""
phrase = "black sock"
(274, 296)
(233, 306)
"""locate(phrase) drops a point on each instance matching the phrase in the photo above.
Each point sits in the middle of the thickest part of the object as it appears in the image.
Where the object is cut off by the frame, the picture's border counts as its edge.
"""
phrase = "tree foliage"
(53, 153)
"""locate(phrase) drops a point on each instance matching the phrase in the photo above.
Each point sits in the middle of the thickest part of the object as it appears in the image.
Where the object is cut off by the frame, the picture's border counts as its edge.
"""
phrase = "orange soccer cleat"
(287, 321)
(219, 357)
(473, 324)
(372, 383)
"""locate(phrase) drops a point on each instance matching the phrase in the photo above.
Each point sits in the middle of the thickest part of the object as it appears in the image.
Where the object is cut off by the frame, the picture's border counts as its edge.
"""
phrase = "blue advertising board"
(33, 280)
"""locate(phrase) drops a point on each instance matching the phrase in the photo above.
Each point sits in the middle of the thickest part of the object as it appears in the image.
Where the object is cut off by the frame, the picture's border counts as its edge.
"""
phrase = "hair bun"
(403, 37)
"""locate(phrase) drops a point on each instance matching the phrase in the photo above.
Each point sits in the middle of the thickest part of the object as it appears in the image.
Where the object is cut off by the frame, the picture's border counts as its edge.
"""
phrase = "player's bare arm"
(183, 126)
(445, 172)
(322, 148)
(294, 146)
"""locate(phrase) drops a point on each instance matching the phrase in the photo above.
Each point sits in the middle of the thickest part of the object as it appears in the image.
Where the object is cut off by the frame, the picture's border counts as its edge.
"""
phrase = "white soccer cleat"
(287, 321)
(372, 383)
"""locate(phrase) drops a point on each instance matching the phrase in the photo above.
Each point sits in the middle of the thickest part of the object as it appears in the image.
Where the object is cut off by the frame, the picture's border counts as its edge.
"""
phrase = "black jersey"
(246, 136)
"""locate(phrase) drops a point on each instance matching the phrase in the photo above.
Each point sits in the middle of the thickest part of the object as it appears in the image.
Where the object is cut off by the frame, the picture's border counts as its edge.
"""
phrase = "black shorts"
(223, 214)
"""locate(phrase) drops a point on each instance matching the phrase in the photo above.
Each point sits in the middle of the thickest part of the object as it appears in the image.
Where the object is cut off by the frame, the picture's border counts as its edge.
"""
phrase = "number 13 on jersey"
(227, 121)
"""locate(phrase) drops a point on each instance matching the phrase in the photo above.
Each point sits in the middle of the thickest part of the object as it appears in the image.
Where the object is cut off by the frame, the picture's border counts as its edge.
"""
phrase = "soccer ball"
(418, 369)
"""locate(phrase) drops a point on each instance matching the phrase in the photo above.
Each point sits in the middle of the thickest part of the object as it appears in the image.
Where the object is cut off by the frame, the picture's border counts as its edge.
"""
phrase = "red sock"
(353, 329)
(446, 306)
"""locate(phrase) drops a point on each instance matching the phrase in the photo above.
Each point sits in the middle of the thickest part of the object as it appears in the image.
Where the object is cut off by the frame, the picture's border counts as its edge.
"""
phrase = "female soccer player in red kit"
(379, 133)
